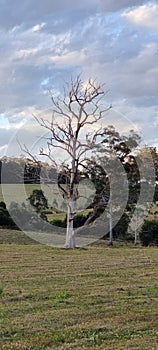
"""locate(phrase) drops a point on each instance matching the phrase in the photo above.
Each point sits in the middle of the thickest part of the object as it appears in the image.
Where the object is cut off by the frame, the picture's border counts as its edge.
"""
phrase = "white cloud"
(3, 150)
(38, 27)
(144, 119)
(144, 16)
(72, 58)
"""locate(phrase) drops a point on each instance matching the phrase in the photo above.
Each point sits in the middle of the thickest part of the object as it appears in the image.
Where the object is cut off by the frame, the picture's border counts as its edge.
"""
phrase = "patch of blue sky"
(4, 123)
(115, 23)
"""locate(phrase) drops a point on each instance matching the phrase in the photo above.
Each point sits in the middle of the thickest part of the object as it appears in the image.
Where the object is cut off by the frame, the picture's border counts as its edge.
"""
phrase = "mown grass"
(93, 298)
(13, 192)
(8, 236)
(20, 192)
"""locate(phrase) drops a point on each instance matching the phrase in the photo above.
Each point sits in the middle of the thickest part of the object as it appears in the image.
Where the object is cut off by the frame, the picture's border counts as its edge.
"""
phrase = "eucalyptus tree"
(114, 146)
(73, 132)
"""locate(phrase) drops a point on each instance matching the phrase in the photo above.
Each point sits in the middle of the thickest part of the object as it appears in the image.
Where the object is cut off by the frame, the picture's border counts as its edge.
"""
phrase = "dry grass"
(8, 236)
(93, 298)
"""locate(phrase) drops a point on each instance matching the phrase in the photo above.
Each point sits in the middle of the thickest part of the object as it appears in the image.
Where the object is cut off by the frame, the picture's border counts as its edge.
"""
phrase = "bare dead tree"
(74, 130)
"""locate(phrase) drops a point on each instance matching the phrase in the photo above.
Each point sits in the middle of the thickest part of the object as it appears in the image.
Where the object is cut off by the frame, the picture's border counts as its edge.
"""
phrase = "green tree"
(38, 201)
(12, 170)
(149, 233)
(114, 145)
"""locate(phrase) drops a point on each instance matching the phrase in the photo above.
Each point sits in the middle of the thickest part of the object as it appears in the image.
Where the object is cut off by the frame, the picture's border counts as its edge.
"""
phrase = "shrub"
(20, 214)
(79, 220)
(149, 233)
(120, 230)
(38, 200)
(26, 218)
(2, 205)
(5, 219)
(58, 222)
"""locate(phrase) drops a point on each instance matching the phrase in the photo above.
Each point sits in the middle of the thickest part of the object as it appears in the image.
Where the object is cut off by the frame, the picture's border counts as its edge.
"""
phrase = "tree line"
(92, 152)
(24, 171)
(94, 172)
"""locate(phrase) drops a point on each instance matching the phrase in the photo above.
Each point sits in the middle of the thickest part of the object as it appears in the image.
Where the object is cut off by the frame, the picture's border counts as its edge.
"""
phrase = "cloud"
(141, 71)
(38, 27)
(129, 73)
(5, 136)
(143, 16)
(26, 61)
(46, 43)
(14, 139)
(3, 150)
(113, 5)
(73, 58)
(34, 11)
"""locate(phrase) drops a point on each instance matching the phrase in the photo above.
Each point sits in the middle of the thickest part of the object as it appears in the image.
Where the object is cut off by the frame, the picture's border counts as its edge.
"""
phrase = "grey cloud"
(125, 62)
(33, 61)
(30, 135)
(25, 73)
(128, 80)
(145, 101)
(113, 5)
(32, 11)
(59, 15)
(25, 63)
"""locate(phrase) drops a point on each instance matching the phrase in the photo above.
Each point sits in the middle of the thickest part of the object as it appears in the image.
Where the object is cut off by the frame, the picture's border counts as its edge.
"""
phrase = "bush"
(3, 205)
(121, 228)
(20, 214)
(26, 218)
(58, 222)
(149, 233)
(5, 219)
(79, 220)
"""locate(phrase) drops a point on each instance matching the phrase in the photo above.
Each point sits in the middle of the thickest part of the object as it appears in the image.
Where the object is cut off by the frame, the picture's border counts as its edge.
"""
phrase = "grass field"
(20, 192)
(16, 192)
(93, 298)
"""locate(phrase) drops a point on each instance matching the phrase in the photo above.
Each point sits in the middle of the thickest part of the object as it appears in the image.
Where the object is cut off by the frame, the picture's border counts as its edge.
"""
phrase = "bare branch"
(73, 113)
(26, 150)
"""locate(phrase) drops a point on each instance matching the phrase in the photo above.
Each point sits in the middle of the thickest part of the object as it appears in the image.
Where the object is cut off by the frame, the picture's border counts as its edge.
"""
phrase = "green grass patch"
(12, 192)
(94, 298)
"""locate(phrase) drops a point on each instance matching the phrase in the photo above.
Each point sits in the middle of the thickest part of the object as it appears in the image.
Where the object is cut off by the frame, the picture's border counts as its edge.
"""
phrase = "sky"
(44, 44)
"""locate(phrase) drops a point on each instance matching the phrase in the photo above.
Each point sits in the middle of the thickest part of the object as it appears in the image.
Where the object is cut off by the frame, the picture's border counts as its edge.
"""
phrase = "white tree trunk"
(110, 225)
(136, 228)
(70, 238)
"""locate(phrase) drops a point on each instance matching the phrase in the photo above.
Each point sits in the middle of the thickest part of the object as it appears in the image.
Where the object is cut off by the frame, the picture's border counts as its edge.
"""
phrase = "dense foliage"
(5, 218)
(149, 233)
